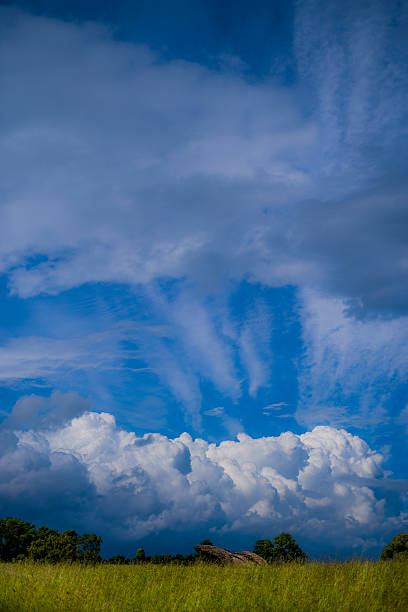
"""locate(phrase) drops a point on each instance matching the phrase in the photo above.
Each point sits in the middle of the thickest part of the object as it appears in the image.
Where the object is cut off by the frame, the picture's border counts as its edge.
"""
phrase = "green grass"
(349, 586)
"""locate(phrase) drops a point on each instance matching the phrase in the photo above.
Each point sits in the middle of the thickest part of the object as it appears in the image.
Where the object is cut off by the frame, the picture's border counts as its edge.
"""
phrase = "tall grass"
(351, 586)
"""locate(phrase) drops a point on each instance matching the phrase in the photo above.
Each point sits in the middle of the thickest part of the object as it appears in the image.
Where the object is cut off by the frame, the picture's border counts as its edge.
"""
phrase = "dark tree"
(198, 554)
(46, 546)
(19, 540)
(397, 548)
(52, 546)
(161, 559)
(69, 545)
(90, 546)
(15, 538)
(285, 549)
(119, 560)
(264, 548)
(140, 556)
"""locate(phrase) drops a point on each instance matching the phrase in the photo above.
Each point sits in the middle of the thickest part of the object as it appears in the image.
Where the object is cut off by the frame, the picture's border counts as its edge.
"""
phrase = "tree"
(90, 546)
(397, 548)
(20, 539)
(119, 560)
(160, 559)
(46, 546)
(15, 538)
(52, 546)
(198, 555)
(264, 548)
(285, 549)
(140, 556)
(206, 542)
(70, 544)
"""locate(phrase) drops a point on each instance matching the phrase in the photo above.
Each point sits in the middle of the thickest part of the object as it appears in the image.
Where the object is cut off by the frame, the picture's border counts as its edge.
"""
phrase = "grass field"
(316, 586)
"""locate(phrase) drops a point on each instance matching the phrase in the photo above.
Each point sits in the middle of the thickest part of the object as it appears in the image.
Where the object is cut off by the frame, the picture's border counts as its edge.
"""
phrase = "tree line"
(21, 540)
(283, 549)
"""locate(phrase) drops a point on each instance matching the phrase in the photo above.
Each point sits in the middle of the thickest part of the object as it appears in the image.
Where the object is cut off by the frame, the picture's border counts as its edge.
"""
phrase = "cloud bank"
(91, 472)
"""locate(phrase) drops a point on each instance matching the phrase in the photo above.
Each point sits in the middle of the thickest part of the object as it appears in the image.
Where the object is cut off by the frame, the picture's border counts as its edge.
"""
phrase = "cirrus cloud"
(136, 168)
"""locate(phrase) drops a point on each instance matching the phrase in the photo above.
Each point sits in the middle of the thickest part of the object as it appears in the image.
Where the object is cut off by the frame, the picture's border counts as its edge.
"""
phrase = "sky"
(203, 271)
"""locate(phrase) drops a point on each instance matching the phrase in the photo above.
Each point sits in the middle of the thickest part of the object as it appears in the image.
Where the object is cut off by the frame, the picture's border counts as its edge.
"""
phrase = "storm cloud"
(325, 481)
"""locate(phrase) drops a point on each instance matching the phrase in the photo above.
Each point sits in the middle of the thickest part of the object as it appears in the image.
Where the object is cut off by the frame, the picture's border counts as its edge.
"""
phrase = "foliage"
(286, 549)
(171, 559)
(118, 560)
(339, 587)
(264, 548)
(89, 547)
(140, 555)
(397, 548)
(283, 549)
(53, 547)
(15, 538)
(198, 555)
(19, 540)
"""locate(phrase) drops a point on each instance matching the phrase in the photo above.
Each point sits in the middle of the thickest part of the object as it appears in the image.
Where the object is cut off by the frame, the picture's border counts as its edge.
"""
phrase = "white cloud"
(34, 411)
(255, 346)
(326, 484)
(119, 167)
(150, 169)
(44, 357)
(403, 417)
(277, 406)
(217, 411)
(353, 58)
(135, 178)
(348, 360)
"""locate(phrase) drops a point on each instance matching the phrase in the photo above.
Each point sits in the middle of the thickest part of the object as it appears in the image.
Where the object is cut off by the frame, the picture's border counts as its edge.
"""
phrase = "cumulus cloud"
(42, 485)
(36, 412)
(325, 482)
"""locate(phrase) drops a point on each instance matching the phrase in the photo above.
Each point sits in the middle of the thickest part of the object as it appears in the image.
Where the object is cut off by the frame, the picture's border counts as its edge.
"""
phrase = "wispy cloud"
(42, 357)
(277, 406)
(255, 346)
(142, 184)
(233, 188)
(361, 363)
(217, 411)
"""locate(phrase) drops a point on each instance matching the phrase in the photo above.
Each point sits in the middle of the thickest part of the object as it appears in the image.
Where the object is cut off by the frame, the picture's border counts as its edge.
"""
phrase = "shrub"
(397, 548)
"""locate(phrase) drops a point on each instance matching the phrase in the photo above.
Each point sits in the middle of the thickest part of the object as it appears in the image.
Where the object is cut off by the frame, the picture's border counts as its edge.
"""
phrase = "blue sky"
(203, 259)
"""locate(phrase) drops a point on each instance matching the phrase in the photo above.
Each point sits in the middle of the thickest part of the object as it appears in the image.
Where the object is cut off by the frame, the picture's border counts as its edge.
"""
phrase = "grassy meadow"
(315, 586)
